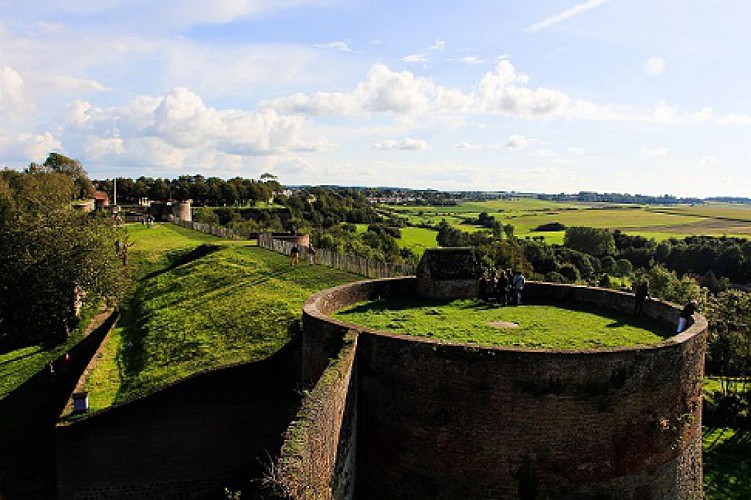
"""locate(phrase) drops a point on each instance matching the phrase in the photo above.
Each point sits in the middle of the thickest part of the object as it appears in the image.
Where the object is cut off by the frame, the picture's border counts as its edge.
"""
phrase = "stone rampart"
(318, 457)
(188, 440)
(444, 420)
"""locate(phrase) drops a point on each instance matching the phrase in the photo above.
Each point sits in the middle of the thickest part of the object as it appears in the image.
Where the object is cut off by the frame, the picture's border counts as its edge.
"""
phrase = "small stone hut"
(448, 273)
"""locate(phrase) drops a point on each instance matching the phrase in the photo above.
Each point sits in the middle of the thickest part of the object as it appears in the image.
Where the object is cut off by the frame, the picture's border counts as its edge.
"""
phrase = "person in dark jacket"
(642, 294)
(685, 316)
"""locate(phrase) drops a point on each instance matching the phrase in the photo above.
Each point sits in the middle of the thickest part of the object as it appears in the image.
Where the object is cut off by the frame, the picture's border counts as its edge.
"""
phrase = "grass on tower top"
(542, 326)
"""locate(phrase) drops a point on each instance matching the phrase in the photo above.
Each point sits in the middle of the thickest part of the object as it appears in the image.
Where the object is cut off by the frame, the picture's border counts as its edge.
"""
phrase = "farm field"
(546, 326)
(525, 215)
(211, 303)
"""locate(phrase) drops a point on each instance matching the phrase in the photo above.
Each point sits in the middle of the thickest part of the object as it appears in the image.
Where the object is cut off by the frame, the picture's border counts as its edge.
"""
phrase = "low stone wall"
(188, 440)
(445, 420)
(318, 457)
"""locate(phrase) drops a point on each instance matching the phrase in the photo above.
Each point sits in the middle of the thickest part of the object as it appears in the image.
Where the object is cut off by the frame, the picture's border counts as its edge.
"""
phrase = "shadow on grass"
(178, 259)
(727, 463)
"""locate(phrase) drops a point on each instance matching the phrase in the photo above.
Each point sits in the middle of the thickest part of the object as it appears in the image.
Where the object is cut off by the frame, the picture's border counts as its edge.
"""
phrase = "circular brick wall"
(445, 420)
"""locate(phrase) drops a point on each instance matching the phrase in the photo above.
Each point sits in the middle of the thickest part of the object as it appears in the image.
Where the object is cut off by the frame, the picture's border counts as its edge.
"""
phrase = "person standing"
(293, 254)
(642, 294)
(686, 314)
(501, 289)
(311, 254)
(519, 282)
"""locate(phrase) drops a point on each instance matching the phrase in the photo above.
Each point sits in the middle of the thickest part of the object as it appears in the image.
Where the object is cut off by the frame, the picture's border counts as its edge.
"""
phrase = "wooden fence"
(222, 232)
(350, 263)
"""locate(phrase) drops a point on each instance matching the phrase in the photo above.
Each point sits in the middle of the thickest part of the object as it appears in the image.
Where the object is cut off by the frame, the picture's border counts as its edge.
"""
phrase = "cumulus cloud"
(575, 151)
(566, 14)
(406, 144)
(467, 145)
(179, 125)
(654, 66)
(12, 100)
(27, 147)
(516, 142)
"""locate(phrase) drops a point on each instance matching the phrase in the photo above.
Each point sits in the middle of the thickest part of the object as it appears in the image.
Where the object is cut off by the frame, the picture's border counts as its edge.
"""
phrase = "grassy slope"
(235, 304)
(541, 326)
(18, 366)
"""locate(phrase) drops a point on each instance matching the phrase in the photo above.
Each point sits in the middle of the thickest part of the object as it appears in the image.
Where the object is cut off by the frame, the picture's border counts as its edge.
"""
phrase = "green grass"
(238, 303)
(650, 221)
(18, 366)
(417, 239)
(727, 463)
(540, 326)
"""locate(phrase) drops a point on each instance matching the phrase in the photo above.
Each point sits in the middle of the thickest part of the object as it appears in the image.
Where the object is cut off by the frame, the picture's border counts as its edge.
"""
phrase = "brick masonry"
(456, 421)
(188, 440)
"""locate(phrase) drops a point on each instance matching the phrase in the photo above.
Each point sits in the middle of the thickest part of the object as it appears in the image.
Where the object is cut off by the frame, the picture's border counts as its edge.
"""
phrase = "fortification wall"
(318, 457)
(187, 440)
(455, 421)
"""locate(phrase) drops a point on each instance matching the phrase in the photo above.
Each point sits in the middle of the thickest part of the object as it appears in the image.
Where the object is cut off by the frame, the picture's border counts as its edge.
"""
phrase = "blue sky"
(539, 95)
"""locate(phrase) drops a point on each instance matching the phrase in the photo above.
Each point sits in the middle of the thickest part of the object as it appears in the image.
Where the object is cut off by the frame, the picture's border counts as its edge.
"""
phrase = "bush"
(551, 226)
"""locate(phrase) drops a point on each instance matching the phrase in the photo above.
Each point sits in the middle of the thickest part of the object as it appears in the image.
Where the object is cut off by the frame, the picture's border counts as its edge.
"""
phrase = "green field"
(727, 463)
(526, 214)
(539, 326)
(229, 303)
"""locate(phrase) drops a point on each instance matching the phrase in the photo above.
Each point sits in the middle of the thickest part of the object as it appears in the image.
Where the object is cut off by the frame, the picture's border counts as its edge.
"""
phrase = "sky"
(628, 96)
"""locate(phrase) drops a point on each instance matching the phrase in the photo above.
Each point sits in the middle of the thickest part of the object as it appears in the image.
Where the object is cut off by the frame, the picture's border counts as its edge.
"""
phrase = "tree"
(48, 253)
(57, 163)
(594, 241)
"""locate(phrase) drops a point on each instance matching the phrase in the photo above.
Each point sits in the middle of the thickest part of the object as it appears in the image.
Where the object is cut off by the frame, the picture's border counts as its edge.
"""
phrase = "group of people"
(503, 287)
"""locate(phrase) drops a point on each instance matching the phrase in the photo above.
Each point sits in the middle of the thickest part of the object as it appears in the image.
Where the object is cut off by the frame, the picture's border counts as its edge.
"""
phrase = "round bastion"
(436, 419)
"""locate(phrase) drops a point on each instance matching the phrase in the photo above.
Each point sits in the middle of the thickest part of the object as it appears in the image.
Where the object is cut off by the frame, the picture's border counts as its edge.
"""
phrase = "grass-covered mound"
(550, 326)
(198, 309)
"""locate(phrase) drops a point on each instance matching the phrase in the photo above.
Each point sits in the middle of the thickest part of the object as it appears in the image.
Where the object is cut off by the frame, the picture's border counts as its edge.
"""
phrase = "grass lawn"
(727, 463)
(539, 326)
(417, 239)
(231, 304)
(18, 366)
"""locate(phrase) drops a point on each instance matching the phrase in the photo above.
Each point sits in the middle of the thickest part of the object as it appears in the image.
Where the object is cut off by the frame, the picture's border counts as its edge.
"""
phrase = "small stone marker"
(503, 324)
(80, 402)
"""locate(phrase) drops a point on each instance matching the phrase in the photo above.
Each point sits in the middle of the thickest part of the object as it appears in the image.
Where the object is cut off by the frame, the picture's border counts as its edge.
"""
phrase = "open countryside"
(654, 222)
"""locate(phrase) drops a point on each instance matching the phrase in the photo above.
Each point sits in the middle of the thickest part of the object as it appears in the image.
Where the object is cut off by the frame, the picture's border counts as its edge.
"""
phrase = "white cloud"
(566, 14)
(438, 45)
(338, 45)
(25, 147)
(472, 60)
(466, 145)
(734, 119)
(575, 151)
(655, 152)
(543, 153)
(516, 142)
(178, 127)
(12, 100)
(710, 161)
(654, 66)
(406, 144)
(415, 58)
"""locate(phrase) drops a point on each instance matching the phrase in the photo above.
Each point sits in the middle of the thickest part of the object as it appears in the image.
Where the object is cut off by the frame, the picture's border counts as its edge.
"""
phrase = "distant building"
(101, 200)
